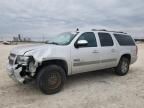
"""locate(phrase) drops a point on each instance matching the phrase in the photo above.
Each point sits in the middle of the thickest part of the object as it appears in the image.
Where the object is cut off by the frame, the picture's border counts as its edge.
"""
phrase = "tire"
(123, 66)
(51, 79)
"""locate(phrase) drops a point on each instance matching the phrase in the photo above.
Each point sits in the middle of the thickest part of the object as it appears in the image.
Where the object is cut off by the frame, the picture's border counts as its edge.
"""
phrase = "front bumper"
(14, 72)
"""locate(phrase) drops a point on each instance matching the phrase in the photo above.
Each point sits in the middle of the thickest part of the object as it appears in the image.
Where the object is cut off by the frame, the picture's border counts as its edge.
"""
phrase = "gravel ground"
(100, 89)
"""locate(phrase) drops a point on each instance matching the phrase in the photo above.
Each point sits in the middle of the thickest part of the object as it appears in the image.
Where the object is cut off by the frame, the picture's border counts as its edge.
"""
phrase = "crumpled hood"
(21, 50)
(42, 52)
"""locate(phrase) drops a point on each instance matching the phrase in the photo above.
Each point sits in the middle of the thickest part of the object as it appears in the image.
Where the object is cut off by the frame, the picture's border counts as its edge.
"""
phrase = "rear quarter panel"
(128, 50)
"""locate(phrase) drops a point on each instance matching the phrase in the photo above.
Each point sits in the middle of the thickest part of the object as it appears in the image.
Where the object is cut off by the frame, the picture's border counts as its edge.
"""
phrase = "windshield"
(62, 39)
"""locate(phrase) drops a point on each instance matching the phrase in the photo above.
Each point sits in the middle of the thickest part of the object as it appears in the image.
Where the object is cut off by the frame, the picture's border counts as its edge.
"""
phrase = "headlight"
(22, 60)
(32, 66)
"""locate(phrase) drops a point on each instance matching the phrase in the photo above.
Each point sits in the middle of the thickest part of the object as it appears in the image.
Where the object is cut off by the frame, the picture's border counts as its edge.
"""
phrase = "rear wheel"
(51, 79)
(123, 66)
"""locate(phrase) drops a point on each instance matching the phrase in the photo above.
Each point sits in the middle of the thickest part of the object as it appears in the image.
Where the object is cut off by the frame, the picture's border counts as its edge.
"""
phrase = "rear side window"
(105, 39)
(124, 40)
(90, 37)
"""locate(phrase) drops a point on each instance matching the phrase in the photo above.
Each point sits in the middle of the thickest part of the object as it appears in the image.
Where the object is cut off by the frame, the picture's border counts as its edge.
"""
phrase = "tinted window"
(105, 39)
(90, 37)
(124, 39)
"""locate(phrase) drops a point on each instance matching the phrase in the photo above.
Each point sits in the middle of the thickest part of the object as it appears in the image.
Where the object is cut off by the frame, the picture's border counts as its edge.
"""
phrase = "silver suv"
(71, 53)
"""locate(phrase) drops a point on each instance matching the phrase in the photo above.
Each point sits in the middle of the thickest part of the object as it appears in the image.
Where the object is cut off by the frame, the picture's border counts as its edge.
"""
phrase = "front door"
(85, 58)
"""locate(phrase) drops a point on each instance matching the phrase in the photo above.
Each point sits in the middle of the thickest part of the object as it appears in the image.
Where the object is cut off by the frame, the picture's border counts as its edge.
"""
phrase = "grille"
(12, 59)
(12, 55)
(11, 62)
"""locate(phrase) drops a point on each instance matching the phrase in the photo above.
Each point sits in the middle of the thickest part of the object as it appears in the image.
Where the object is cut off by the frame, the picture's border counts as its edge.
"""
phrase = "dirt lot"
(101, 89)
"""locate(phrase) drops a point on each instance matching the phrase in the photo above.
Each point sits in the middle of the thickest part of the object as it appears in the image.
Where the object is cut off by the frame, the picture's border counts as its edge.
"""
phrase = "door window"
(105, 39)
(90, 38)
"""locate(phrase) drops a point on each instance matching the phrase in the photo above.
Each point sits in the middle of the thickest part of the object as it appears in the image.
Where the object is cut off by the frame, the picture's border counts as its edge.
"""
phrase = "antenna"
(77, 30)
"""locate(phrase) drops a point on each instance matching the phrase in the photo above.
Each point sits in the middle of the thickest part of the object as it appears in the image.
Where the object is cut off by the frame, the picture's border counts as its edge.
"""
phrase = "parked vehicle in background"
(6, 43)
(9, 43)
(71, 53)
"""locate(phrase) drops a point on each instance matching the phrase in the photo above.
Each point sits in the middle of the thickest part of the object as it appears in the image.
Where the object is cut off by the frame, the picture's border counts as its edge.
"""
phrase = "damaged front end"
(21, 68)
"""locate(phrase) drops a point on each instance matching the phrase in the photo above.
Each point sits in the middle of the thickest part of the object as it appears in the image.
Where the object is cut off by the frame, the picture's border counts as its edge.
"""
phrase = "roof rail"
(118, 32)
(108, 31)
(99, 30)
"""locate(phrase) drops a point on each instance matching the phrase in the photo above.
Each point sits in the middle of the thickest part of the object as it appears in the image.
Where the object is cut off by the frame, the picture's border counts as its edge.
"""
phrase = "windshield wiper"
(53, 43)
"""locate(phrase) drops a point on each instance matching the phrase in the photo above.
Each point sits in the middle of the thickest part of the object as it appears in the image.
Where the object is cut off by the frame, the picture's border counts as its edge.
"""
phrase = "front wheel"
(51, 79)
(123, 66)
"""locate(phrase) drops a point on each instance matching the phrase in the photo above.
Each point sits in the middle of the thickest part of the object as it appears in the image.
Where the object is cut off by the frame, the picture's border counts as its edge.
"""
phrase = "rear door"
(108, 50)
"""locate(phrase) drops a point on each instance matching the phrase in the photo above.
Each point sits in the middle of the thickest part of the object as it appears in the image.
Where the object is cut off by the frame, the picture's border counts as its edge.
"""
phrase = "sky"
(45, 18)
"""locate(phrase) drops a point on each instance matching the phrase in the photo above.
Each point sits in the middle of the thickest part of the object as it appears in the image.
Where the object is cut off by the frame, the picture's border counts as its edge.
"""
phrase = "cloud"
(48, 17)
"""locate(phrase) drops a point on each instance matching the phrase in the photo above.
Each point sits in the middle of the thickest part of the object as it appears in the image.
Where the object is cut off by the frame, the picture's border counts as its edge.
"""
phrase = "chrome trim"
(108, 60)
(86, 63)
(94, 62)
(12, 58)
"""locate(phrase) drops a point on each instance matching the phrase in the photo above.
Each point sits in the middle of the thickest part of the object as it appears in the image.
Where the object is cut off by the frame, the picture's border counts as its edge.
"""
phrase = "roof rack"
(108, 31)
(99, 30)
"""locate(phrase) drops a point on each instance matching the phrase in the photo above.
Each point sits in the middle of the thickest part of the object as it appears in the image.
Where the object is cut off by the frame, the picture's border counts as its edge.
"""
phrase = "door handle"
(95, 51)
(113, 50)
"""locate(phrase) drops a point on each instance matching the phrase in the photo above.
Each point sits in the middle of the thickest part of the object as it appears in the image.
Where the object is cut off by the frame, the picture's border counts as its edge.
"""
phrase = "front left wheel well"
(61, 63)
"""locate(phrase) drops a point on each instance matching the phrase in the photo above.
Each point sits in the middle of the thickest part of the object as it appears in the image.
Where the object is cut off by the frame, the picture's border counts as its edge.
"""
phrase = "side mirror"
(81, 43)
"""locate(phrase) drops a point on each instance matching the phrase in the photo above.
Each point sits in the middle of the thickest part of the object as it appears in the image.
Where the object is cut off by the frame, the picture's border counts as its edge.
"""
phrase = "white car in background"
(6, 43)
